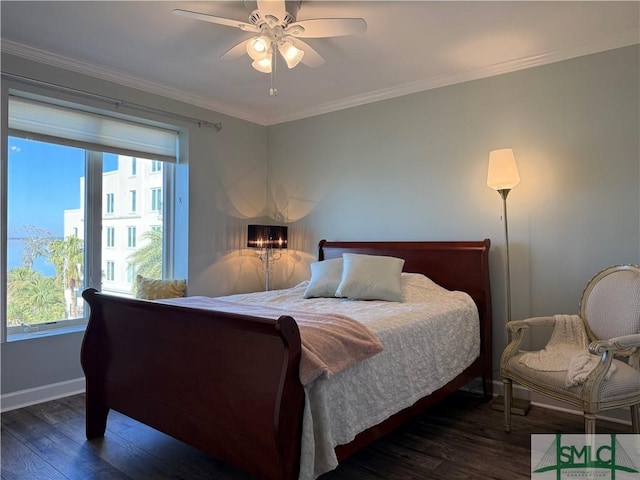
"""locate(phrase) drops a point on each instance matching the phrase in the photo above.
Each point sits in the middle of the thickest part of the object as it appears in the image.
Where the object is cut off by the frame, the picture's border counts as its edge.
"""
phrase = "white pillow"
(325, 278)
(371, 277)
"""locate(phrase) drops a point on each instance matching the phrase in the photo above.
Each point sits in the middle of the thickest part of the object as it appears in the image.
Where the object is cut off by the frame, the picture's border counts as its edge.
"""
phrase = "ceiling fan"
(274, 23)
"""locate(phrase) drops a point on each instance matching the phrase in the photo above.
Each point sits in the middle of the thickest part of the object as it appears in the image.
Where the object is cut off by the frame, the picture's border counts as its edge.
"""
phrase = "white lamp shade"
(503, 171)
(258, 47)
(263, 65)
(291, 54)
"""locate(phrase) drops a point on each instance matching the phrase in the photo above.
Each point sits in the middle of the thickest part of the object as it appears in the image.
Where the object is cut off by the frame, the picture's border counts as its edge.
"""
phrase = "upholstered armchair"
(592, 360)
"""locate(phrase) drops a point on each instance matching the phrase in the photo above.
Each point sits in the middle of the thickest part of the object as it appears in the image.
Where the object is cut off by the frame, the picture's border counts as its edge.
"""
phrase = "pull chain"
(273, 91)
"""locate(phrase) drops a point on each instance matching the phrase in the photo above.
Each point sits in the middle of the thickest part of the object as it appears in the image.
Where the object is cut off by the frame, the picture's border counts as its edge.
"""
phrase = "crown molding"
(624, 39)
(98, 71)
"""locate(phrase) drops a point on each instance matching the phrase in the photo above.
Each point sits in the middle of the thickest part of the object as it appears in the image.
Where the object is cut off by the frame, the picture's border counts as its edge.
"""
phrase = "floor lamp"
(503, 176)
(269, 240)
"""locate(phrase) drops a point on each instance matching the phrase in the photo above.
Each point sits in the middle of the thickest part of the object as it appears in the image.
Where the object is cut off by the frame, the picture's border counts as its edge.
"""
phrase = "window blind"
(88, 130)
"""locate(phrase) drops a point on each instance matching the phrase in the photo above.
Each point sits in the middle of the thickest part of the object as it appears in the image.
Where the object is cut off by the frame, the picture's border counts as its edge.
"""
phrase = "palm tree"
(67, 257)
(32, 297)
(147, 260)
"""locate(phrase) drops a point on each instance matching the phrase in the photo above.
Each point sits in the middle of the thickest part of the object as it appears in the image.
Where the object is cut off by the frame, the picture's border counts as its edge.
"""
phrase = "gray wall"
(414, 168)
(410, 168)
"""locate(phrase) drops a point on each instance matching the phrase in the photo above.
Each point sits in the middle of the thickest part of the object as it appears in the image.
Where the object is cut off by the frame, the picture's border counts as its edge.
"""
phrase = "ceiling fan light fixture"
(263, 65)
(258, 47)
(291, 54)
(275, 31)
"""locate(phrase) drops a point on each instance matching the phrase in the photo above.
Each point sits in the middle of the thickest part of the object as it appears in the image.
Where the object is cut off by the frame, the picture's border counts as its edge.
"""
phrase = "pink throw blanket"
(330, 342)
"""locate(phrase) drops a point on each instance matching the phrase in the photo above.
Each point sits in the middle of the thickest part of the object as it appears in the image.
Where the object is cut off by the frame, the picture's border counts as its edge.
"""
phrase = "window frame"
(94, 213)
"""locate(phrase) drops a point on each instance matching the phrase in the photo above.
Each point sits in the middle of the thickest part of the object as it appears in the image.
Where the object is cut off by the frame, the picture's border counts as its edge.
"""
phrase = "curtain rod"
(116, 102)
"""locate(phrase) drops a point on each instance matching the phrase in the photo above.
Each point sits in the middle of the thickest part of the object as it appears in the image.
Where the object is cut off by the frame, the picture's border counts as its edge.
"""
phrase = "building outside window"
(156, 166)
(56, 216)
(131, 237)
(156, 199)
(131, 273)
(111, 237)
(110, 203)
(111, 269)
(133, 195)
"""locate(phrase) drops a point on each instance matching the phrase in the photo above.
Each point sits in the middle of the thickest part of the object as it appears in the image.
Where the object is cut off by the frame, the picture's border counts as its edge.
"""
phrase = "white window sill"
(45, 332)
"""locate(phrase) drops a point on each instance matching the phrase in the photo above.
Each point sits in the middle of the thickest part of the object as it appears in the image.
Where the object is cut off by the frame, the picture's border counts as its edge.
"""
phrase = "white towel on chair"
(581, 366)
(566, 350)
(567, 340)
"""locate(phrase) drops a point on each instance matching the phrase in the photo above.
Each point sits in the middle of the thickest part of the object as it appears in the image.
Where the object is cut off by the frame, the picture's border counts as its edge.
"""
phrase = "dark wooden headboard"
(453, 265)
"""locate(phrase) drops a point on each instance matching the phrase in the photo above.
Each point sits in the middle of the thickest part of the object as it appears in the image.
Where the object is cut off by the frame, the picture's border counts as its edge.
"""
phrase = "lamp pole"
(267, 268)
(503, 176)
(503, 193)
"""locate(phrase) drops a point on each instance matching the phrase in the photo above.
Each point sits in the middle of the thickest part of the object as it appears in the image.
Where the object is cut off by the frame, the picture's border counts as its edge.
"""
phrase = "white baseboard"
(31, 396)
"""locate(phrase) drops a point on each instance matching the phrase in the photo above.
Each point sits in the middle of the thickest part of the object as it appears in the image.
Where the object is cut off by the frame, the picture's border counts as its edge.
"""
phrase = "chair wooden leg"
(635, 417)
(589, 423)
(508, 395)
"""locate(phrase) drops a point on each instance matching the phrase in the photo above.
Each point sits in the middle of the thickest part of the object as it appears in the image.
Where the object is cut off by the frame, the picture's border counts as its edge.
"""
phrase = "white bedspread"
(428, 339)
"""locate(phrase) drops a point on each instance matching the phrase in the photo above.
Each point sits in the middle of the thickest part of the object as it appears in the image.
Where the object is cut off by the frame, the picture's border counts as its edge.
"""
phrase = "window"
(111, 270)
(156, 199)
(111, 237)
(131, 273)
(131, 237)
(62, 184)
(132, 194)
(110, 203)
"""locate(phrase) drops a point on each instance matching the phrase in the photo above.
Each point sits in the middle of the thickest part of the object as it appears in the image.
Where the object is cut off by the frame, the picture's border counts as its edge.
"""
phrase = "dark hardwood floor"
(462, 438)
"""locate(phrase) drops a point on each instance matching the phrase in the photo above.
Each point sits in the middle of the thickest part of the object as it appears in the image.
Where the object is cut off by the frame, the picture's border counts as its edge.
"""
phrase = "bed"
(229, 384)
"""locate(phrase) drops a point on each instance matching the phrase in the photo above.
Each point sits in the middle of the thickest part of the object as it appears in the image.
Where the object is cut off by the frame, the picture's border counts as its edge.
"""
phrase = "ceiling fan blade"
(247, 27)
(326, 27)
(311, 58)
(272, 11)
(236, 51)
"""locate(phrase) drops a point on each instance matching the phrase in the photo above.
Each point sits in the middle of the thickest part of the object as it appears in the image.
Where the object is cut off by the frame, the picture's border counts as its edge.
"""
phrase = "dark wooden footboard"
(226, 384)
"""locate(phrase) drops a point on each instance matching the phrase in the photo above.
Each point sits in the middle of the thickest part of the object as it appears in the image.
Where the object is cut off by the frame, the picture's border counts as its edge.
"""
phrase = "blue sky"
(44, 180)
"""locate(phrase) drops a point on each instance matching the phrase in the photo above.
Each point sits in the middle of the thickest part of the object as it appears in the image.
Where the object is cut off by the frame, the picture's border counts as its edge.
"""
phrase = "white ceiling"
(409, 46)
